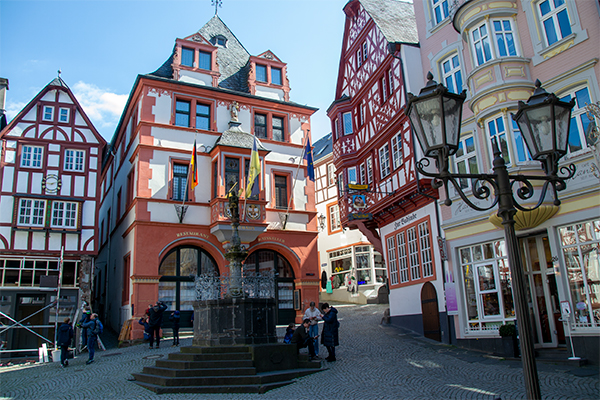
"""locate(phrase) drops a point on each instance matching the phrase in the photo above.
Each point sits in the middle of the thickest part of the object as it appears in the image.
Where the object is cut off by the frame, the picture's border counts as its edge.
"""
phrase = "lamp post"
(435, 116)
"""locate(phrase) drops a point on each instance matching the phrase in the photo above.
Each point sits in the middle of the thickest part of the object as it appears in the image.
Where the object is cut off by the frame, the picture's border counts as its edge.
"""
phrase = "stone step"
(214, 389)
(182, 364)
(199, 372)
(210, 356)
(214, 349)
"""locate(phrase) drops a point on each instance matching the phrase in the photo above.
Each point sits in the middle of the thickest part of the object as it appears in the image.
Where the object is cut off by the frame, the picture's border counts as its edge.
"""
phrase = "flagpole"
(287, 211)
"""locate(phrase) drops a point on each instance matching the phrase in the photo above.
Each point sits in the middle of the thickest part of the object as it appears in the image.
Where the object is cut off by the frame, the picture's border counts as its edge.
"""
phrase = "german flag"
(194, 168)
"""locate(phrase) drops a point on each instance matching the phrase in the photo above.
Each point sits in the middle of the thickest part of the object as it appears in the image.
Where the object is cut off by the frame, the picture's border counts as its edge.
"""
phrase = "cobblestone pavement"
(374, 362)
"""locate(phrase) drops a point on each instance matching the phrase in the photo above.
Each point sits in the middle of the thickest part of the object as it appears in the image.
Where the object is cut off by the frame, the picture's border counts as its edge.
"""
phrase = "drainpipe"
(392, 49)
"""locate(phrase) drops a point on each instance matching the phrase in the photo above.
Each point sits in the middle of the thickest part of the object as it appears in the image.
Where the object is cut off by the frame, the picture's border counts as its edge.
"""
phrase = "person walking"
(155, 317)
(65, 336)
(329, 336)
(313, 314)
(301, 339)
(94, 328)
(175, 318)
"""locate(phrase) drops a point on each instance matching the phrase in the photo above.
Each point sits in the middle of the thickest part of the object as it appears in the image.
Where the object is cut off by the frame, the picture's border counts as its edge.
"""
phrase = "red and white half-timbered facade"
(49, 169)
(380, 193)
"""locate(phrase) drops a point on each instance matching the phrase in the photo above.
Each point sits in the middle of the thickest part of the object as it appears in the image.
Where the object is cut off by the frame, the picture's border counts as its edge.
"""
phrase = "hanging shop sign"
(353, 216)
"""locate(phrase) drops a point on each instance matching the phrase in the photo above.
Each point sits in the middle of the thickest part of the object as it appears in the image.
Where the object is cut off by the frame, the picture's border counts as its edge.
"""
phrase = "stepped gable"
(396, 19)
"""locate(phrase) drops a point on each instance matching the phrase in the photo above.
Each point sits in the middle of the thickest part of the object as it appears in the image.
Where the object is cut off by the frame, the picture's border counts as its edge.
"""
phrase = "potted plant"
(510, 344)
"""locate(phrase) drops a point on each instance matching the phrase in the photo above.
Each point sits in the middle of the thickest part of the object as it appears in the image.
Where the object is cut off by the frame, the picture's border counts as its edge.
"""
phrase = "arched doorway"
(431, 316)
(178, 270)
(265, 260)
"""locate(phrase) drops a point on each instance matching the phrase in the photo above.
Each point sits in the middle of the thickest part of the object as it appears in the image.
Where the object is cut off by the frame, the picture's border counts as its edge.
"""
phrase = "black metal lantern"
(435, 115)
(544, 122)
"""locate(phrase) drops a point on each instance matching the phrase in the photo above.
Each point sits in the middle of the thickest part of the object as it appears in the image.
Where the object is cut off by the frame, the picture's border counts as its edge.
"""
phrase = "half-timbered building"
(344, 253)
(158, 233)
(49, 169)
(380, 192)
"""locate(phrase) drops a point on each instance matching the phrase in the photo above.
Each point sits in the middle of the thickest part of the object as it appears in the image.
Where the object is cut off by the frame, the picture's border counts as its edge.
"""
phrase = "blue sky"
(101, 46)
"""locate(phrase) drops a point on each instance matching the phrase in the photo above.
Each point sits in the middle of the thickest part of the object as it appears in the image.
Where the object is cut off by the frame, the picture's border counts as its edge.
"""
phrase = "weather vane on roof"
(217, 4)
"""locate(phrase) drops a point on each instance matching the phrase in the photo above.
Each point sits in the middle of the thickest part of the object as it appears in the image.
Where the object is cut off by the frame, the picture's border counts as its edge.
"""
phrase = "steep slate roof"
(396, 19)
(322, 147)
(233, 59)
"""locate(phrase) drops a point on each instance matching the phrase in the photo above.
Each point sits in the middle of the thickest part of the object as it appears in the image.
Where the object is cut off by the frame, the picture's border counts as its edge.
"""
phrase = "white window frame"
(31, 156)
(384, 160)
(504, 137)
(369, 169)
(32, 212)
(449, 77)
(482, 39)
(74, 160)
(348, 126)
(363, 177)
(505, 34)
(444, 10)
(397, 151)
(330, 175)
(425, 249)
(341, 188)
(391, 248)
(64, 214)
(358, 58)
(402, 257)
(578, 114)
(384, 89)
(365, 53)
(352, 177)
(464, 156)
(553, 15)
(519, 143)
(67, 115)
(47, 110)
(334, 218)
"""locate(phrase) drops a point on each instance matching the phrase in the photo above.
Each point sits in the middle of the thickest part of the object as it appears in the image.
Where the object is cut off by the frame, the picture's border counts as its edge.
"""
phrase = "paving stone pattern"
(374, 362)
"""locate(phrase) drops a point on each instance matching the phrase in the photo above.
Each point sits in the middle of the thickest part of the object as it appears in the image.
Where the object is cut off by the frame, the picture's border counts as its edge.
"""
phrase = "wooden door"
(431, 317)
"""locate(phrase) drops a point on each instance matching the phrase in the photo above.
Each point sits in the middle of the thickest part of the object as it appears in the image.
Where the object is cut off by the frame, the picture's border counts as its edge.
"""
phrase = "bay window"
(481, 44)
(497, 130)
(347, 119)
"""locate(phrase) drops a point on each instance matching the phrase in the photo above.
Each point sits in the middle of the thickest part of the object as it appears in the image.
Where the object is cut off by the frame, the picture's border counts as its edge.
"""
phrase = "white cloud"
(12, 109)
(103, 107)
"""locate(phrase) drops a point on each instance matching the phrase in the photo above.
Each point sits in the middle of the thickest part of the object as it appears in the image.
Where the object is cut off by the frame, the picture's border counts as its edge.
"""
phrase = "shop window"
(31, 156)
(362, 262)
(341, 267)
(580, 245)
(487, 288)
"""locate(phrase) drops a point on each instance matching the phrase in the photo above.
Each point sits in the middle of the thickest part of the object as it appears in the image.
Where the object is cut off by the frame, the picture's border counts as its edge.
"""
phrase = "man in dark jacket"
(302, 339)
(329, 335)
(85, 318)
(92, 337)
(65, 335)
(155, 317)
(175, 318)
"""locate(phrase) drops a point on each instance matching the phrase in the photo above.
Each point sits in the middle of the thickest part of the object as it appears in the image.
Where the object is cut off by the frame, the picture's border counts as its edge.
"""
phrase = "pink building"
(495, 50)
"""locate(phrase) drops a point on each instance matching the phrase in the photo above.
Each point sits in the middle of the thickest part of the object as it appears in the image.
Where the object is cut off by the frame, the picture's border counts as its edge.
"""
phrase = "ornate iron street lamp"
(435, 117)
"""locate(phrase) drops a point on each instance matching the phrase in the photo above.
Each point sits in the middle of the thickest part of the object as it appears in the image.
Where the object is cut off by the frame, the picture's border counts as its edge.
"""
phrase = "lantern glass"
(562, 123)
(452, 114)
(429, 118)
(541, 130)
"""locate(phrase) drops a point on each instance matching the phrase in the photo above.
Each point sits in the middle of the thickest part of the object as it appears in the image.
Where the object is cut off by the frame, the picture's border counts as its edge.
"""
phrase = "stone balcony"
(252, 219)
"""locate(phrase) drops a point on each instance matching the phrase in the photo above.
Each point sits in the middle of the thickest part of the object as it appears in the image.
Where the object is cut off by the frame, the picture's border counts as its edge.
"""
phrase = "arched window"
(178, 270)
(265, 260)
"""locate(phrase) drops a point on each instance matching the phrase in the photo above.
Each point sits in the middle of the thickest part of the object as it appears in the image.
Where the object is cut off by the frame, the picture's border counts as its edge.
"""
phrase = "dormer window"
(261, 73)
(276, 76)
(187, 57)
(204, 60)
(219, 40)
